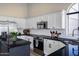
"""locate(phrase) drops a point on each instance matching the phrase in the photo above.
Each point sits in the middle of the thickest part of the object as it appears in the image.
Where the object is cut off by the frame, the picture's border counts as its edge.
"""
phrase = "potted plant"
(13, 36)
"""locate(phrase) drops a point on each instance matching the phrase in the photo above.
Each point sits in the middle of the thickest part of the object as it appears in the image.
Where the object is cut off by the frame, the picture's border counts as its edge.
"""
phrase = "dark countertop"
(59, 39)
(45, 37)
(18, 42)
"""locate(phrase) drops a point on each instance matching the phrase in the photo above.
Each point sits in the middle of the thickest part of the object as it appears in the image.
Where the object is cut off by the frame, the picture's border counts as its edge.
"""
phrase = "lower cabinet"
(20, 51)
(50, 46)
(73, 50)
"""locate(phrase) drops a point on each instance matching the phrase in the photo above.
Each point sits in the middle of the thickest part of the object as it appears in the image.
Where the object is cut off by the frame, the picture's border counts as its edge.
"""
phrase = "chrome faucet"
(74, 30)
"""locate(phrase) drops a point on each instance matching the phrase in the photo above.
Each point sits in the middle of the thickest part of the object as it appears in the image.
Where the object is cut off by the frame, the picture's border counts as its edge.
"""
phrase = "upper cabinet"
(54, 20)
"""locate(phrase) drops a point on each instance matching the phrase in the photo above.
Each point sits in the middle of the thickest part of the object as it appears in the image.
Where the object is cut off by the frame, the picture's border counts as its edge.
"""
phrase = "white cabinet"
(50, 46)
(53, 19)
(58, 20)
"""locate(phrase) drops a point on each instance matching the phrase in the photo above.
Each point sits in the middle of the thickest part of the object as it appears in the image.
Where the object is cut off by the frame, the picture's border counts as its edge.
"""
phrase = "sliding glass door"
(8, 27)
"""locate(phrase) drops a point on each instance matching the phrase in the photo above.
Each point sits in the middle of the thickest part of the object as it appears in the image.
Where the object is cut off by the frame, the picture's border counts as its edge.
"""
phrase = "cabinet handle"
(49, 45)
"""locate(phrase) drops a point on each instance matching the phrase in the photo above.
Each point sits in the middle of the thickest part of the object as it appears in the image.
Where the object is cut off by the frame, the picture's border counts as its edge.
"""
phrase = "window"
(73, 18)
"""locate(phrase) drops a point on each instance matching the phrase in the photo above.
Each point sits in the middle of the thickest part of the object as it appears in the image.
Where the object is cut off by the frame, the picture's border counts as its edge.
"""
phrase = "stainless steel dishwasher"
(38, 45)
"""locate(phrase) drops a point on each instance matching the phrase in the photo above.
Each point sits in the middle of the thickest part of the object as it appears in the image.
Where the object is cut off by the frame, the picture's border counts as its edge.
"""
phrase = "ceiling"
(36, 9)
(30, 9)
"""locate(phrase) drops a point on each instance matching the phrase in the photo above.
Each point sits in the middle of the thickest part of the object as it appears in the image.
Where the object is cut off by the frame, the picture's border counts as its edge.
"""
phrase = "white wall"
(47, 31)
(14, 9)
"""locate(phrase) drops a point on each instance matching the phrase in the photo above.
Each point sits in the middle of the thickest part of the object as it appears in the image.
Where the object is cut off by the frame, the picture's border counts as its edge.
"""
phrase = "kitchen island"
(18, 48)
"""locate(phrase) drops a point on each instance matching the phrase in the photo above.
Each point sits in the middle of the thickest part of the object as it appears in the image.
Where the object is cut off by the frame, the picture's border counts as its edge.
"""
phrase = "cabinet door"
(73, 50)
(58, 22)
(50, 46)
(51, 20)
